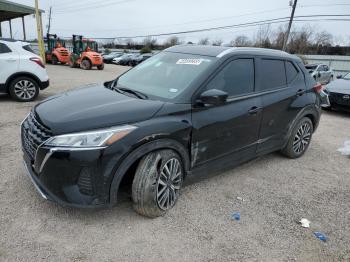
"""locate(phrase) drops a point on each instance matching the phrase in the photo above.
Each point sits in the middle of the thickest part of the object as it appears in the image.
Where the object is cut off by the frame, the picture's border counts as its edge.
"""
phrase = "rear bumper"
(44, 84)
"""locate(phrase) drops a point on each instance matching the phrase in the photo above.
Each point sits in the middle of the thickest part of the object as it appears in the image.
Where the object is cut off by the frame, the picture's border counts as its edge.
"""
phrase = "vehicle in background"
(22, 72)
(108, 58)
(190, 110)
(56, 52)
(85, 54)
(139, 59)
(339, 93)
(124, 59)
(321, 73)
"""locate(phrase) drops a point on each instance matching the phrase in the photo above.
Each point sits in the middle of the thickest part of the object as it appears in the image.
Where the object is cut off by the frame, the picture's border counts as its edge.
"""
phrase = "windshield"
(165, 75)
(347, 76)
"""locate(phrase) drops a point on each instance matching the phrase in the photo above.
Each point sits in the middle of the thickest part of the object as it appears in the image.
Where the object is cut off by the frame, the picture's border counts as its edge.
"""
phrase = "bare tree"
(204, 41)
(149, 42)
(217, 42)
(323, 38)
(301, 40)
(241, 40)
(171, 41)
(130, 43)
(278, 37)
(262, 36)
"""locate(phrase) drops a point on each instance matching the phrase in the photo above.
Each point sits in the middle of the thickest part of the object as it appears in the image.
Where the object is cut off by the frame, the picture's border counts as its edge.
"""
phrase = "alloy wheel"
(169, 184)
(302, 138)
(25, 89)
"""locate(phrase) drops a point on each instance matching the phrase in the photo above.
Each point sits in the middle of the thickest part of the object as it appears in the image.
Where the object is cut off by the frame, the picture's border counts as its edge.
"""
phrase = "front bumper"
(77, 178)
(339, 101)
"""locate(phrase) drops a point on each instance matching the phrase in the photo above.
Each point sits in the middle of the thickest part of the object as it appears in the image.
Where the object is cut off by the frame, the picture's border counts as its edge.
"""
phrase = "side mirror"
(213, 97)
(339, 76)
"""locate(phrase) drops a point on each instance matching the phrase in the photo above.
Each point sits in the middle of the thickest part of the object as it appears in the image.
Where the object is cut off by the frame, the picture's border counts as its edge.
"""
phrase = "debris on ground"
(304, 222)
(240, 198)
(236, 216)
(346, 149)
(320, 236)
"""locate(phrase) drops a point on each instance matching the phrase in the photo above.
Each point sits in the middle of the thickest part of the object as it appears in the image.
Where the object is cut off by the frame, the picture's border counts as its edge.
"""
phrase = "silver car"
(321, 73)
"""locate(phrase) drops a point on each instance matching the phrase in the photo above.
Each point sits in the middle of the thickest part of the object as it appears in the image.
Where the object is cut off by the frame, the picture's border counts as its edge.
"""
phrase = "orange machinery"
(56, 51)
(85, 54)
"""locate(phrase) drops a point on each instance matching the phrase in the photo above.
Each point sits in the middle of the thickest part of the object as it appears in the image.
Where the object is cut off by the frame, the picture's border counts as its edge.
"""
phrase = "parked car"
(187, 111)
(139, 59)
(321, 73)
(22, 72)
(124, 59)
(109, 57)
(339, 93)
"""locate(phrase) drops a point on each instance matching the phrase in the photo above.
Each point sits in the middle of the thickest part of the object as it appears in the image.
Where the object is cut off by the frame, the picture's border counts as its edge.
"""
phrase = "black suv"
(186, 111)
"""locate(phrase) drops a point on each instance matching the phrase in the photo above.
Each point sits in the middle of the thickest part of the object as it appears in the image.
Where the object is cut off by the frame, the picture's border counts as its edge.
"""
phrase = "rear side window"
(273, 74)
(236, 78)
(28, 48)
(4, 49)
(291, 72)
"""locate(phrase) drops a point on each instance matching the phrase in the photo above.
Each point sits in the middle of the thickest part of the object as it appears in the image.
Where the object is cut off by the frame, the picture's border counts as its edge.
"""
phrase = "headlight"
(98, 138)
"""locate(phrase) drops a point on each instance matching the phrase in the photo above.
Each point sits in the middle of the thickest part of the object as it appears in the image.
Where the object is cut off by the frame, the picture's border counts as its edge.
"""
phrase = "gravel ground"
(277, 192)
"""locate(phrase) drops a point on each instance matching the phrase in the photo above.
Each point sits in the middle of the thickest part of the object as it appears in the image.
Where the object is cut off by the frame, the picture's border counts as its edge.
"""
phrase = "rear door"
(230, 129)
(9, 60)
(282, 88)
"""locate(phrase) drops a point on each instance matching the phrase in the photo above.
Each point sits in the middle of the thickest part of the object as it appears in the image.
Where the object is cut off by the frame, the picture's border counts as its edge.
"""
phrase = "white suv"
(22, 72)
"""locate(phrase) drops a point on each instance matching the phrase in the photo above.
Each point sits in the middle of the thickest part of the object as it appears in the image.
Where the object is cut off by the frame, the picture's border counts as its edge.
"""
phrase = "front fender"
(140, 152)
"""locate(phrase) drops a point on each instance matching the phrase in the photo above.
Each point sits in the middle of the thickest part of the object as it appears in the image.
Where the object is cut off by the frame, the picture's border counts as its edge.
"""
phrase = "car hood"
(93, 107)
(339, 86)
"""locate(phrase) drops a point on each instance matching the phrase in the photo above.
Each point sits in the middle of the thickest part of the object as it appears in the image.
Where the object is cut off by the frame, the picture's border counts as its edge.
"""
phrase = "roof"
(198, 49)
(10, 10)
(221, 51)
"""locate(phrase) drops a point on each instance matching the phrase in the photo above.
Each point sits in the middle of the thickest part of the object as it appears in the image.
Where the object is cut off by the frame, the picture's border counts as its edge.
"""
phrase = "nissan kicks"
(186, 111)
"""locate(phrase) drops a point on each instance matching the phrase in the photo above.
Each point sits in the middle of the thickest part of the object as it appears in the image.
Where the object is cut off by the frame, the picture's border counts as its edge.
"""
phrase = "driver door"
(232, 128)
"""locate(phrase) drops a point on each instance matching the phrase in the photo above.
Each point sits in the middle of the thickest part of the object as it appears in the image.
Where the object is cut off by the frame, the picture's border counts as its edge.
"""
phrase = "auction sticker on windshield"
(189, 61)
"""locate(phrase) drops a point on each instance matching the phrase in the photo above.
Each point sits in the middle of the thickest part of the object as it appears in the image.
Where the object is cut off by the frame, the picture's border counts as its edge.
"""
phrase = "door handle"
(300, 92)
(254, 110)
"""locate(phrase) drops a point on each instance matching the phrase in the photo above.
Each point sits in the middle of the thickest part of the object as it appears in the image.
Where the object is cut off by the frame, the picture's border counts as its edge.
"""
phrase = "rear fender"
(310, 111)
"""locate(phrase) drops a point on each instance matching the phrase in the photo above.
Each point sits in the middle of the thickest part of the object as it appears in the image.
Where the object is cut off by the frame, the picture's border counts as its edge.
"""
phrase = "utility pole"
(40, 31)
(49, 26)
(289, 26)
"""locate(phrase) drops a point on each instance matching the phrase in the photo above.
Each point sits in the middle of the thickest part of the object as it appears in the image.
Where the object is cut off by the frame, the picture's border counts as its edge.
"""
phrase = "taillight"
(38, 61)
(318, 88)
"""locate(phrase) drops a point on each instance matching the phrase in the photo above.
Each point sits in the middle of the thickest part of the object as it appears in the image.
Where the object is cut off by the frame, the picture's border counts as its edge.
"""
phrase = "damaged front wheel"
(157, 183)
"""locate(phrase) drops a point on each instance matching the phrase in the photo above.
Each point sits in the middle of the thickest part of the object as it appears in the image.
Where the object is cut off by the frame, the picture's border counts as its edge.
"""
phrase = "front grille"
(339, 99)
(33, 135)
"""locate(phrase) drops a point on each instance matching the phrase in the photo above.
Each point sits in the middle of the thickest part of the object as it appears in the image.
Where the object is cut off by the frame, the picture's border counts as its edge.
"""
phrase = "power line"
(205, 20)
(249, 24)
(70, 4)
(95, 6)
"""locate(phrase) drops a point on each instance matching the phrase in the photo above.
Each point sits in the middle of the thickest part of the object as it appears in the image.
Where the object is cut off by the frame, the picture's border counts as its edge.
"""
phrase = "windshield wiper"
(134, 92)
(114, 86)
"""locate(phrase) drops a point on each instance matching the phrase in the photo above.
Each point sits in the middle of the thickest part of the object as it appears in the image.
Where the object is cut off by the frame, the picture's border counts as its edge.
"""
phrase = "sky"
(120, 18)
